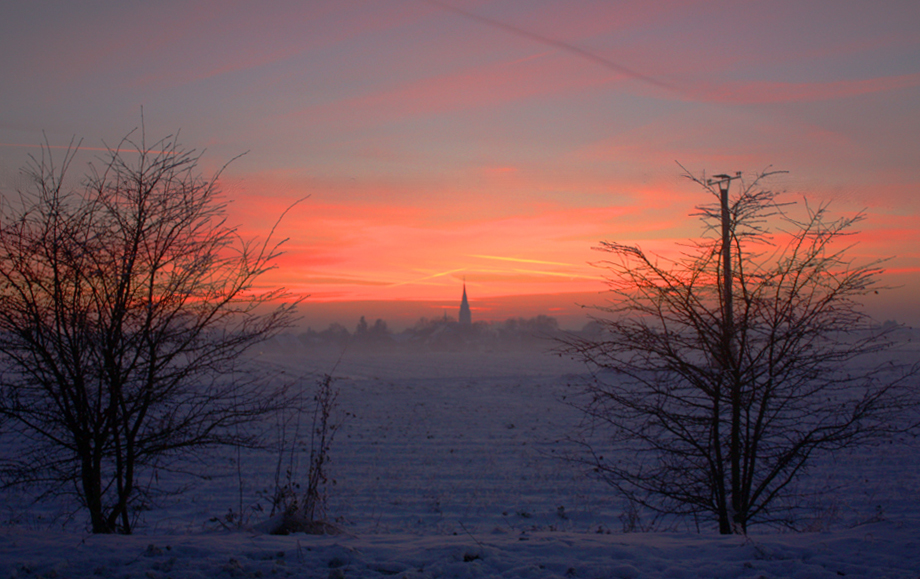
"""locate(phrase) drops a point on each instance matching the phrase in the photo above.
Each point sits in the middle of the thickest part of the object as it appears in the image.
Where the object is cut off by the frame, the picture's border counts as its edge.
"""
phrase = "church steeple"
(466, 318)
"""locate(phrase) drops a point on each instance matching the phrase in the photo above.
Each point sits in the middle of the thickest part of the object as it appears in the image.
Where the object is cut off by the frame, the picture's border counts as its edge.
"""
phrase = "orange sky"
(494, 141)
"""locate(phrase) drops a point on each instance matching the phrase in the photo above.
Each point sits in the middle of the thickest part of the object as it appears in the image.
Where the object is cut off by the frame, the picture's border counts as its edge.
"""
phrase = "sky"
(491, 142)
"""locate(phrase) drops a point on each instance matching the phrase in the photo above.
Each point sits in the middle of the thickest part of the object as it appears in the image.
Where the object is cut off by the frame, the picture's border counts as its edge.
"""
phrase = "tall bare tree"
(125, 303)
(723, 373)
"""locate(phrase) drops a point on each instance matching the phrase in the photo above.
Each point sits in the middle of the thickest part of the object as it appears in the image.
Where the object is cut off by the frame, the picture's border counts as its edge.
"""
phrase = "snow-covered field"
(446, 467)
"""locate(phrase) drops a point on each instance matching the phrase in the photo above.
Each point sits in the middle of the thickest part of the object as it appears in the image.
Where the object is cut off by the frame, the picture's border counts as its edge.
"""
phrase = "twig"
(462, 526)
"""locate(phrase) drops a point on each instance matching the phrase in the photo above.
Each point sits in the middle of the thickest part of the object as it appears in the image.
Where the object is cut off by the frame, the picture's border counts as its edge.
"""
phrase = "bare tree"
(124, 304)
(723, 373)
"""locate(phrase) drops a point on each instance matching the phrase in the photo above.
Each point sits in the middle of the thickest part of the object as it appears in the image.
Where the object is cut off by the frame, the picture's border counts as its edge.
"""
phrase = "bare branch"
(726, 427)
(124, 304)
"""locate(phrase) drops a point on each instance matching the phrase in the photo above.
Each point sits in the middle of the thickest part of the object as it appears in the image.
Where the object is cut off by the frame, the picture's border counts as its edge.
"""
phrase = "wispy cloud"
(483, 86)
(82, 148)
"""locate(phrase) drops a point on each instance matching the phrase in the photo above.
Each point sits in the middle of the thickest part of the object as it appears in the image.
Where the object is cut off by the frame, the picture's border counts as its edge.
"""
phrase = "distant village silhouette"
(443, 333)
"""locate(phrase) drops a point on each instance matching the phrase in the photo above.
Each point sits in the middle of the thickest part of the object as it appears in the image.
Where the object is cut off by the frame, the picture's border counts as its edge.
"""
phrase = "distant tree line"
(443, 333)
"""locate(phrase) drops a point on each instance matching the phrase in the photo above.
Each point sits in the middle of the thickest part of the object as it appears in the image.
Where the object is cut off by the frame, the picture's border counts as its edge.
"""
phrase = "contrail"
(521, 260)
(442, 274)
(558, 274)
(597, 59)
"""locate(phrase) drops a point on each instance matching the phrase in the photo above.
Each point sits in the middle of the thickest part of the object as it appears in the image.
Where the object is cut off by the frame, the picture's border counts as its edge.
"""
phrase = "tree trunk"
(729, 366)
(91, 478)
(718, 474)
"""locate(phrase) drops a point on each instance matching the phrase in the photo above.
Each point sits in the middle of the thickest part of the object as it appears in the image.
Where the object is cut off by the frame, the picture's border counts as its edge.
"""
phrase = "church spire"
(466, 318)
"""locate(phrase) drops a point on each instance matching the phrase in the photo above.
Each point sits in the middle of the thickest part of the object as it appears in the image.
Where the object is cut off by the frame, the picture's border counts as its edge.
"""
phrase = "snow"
(447, 466)
(875, 550)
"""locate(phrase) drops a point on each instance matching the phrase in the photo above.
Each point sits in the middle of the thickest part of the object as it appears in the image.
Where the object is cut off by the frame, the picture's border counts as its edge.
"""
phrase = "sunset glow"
(488, 141)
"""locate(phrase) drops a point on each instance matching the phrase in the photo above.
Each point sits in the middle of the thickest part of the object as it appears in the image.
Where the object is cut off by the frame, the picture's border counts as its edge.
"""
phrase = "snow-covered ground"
(446, 467)
(874, 551)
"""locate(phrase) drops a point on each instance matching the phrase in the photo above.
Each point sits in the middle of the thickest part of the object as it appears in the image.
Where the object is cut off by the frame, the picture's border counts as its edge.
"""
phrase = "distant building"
(466, 318)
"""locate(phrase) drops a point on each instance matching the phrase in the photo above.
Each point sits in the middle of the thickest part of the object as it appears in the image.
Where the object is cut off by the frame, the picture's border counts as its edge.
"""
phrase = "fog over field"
(447, 464)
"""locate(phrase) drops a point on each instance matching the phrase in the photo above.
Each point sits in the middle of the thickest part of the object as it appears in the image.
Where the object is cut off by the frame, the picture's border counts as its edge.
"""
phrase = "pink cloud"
(486, 86)
(764, 92)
